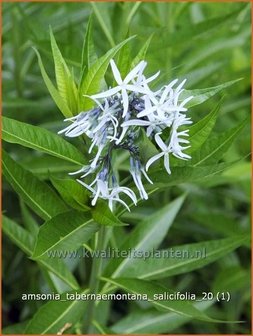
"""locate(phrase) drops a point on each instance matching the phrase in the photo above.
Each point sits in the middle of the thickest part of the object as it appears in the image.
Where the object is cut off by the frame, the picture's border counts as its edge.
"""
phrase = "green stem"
(94, 280)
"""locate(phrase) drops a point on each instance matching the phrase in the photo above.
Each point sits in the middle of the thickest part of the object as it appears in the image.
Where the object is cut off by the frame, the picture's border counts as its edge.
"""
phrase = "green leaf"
(38, 195)
(28, 220)
(65, 232)
(53, 316)
(26, 242)
(224, 223)
(214, 148)
(124, 60)
(182, 259)
(199, 132)
(152, 290)
(188, 33)
(186, 174)
(64, 79)
(40, 139)
(142, 53)
(42, 166)
(95, 75)
(147, 235)
(88, 52)
(72, 193)
(154, 322)
(201, 95)
(103, 215)
(22, 238)
(103, 19)
(59, 101)
(15, 329)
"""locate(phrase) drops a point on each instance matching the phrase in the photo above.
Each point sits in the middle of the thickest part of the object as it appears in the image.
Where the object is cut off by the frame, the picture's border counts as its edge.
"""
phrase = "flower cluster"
(115, 123)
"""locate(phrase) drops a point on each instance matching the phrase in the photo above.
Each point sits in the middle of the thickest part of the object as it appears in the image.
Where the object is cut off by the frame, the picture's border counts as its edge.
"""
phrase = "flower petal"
(167, 163)
(153, 159)
(160, 143)
(107, 93)
(133, 73)
(125, 102)
(116, 72)
(135, 122)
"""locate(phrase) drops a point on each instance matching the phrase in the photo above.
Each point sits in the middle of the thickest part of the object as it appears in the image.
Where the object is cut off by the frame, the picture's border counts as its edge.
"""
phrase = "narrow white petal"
(78, 171)
(116, 72)
(135, 122)
(125, 101)
(129, 193)
(133, 73)
(180, 86)
(146, 176)
(86, 186)
(122, 202)
(184, 102)
(141, 188)
(122, 135)
(167, 163)
(137, 88)
(153, 159)
(150, 79)
(107, 93)
(160, 143)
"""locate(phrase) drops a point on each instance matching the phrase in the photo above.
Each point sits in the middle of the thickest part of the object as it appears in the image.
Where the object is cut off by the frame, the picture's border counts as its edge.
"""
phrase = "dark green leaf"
(147, 235)
(65, 232)
(103, 215)
(53, 316)
(152, 290)
(181, 259)
(38, 195)
(40, 139)
(26, 242)
(72, 193)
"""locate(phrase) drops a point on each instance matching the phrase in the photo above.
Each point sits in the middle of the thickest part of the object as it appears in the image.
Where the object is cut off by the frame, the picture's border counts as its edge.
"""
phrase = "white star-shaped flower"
(124, 85)
(165, 153)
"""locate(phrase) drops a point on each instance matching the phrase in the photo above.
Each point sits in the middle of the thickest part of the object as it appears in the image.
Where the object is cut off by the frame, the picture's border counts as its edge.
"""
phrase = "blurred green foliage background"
(207, 43)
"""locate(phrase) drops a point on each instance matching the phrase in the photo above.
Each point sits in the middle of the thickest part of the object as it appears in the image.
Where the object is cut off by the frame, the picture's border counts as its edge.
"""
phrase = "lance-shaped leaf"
(216, 146)
(88, 51)
(181, 259)
(26, 242)
(201, 95)
(64, 79)
(40, 139)
(142, 53)
(92, 81)
(104, 216)
(73, 193)
(152, 290)
(64, 232)
(147, 235)
(199, 132)
(180, 175)
(54, 315)
(38, 195)
(152, 321)
(59, 101)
